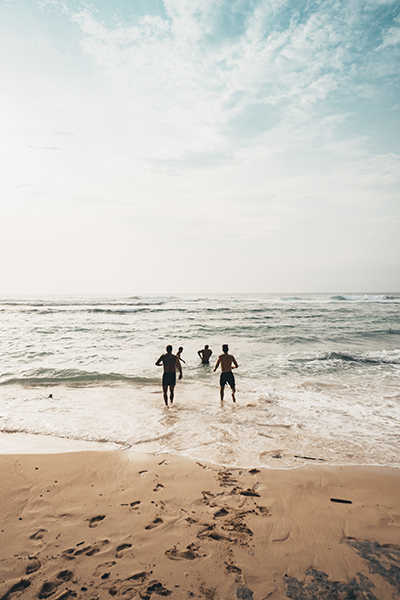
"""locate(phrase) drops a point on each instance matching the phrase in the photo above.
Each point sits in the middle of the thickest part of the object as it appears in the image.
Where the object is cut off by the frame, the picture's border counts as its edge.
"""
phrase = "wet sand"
(95, 525)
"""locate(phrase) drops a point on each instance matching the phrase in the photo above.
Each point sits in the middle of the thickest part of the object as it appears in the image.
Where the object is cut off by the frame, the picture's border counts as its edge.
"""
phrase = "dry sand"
(113, 524)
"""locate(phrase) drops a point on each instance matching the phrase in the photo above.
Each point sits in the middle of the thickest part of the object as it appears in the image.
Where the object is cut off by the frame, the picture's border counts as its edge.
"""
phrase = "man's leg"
(171, 393)
(221, 392)
(233, 394)
(165, 392)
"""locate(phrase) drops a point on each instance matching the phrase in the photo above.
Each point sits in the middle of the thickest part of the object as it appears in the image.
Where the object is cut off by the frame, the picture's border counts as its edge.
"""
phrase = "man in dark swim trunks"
(227, 362)
(170, 363)
(205, 354)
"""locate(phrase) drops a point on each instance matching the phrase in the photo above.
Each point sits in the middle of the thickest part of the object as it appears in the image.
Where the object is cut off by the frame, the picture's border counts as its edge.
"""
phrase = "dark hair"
(225, 348)
(180, 349)
(169, 349)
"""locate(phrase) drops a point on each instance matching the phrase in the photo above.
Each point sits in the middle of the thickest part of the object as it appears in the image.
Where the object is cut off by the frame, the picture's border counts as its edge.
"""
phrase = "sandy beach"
(97, 525)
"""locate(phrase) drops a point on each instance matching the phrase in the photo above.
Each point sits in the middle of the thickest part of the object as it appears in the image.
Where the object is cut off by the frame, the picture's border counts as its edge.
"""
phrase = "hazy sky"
(169, 146)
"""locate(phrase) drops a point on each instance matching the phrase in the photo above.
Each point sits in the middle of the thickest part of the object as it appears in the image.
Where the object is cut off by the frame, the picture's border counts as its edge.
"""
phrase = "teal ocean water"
(318, 377)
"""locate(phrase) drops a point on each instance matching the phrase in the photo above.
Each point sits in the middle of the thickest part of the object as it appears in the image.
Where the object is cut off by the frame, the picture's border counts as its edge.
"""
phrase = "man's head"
(180, 349)
(206, 347)
(225, 348)
(169, 349)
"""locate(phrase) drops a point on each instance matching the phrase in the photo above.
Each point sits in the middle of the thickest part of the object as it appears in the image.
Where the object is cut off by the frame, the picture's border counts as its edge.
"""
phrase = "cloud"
(255, 126)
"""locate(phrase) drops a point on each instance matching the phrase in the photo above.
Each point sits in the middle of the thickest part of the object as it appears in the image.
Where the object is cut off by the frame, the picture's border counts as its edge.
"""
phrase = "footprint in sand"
(135, 505)
(38, 535)
(102, 568)
(120, 550)
(158, 521)
(48, 589)
(221, 513)
(17, 587)
(65, 575)
(140, 577)
(93, 522)
(231, 568)
(249, 492)
(157, 588)
(33, 565)
(189, 554)
(264, 511)
(71, 553)
(158, 487)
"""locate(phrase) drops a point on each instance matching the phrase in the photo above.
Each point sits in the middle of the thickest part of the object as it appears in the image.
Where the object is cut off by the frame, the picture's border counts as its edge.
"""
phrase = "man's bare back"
(226, 361)
(170, 363)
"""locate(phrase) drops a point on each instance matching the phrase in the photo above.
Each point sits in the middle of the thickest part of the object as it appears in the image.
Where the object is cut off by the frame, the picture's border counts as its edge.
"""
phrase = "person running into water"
(170, 363)
(205, 354)
(180, 350)
(227, 362)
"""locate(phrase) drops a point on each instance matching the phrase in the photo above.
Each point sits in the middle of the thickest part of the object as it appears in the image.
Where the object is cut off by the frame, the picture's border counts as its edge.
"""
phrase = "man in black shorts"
(227, 362)
(170, 363)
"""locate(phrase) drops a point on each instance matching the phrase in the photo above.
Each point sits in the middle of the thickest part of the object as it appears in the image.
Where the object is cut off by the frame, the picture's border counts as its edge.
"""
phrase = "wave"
(373, 358)
(364, 298)
(73, 377)
(32, 303)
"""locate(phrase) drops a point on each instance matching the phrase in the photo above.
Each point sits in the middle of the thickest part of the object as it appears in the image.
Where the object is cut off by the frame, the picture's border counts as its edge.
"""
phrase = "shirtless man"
(180, 350)
(170, 363)
(205, 354)
(227, 362)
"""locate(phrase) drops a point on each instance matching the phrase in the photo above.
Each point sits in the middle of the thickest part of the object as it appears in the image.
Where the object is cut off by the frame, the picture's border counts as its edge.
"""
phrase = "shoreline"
(39, 444)
(95, 524)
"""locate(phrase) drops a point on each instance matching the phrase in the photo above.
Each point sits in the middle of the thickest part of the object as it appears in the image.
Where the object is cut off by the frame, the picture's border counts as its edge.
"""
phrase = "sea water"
(318, 377)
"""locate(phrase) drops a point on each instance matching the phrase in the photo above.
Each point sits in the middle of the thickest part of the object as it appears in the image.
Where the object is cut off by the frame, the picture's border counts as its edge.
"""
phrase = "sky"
(199, 146)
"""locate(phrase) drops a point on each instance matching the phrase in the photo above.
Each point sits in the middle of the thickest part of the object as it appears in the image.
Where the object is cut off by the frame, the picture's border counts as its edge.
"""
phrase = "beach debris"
(277, 456)
(135, 505)
(254, 471)
(63, 594)
(244, 593)
(382, 559)
(309, 458)
(317, 585)
(341, 500)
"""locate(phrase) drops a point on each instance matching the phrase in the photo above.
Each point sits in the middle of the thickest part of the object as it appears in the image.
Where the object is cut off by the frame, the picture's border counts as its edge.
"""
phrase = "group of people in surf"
(172, 364)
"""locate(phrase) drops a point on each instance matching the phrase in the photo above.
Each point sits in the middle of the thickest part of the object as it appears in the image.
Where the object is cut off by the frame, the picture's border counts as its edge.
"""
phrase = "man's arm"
(234, 362)
(200, 353)
(159, 361)
(217, 363)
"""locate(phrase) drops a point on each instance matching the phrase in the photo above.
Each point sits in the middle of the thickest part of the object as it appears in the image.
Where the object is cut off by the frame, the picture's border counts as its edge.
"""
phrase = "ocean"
(318, 378)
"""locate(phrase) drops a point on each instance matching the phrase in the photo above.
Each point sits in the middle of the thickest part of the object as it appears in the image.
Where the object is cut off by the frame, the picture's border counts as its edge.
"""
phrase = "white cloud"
(183, 130)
